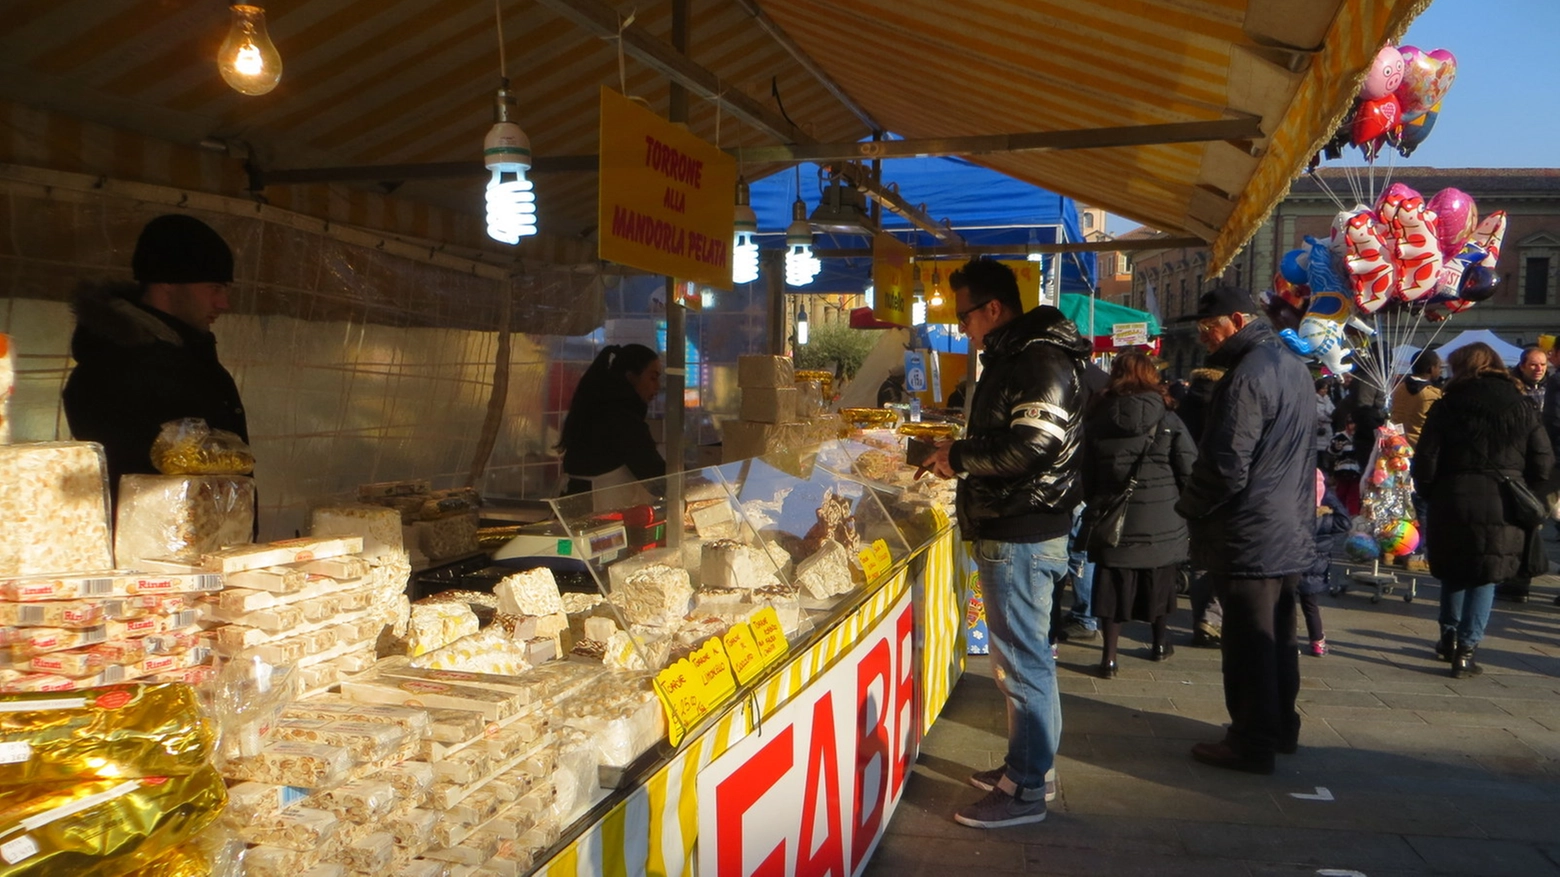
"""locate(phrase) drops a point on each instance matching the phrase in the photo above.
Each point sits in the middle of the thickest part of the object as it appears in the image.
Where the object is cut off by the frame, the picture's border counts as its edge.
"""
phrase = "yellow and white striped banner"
(653, 830)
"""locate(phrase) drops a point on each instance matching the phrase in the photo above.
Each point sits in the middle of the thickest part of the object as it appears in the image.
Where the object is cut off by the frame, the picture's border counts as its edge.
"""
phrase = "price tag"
(717, 682)
(15, 751)
(678, 688)
(18, 850)
(875, 560)
(769, 635)
(742, 648)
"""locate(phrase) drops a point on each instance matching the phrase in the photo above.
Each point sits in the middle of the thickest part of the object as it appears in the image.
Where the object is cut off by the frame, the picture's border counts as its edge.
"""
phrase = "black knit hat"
(176, 248)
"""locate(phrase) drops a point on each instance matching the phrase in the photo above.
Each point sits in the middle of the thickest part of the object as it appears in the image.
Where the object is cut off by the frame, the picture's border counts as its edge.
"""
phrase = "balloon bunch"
(1386, 502)
(1405, 260)
(1398, 102)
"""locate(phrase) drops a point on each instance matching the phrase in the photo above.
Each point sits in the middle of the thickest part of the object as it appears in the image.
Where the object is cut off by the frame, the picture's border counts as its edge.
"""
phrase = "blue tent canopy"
(984, 206)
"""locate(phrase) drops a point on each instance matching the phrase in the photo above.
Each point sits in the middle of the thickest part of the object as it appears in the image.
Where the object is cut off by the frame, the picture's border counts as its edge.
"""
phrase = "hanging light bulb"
(511, 203)
(744, 263)
(801, 266)
(801, 324)
(248, 60)
(937, 296)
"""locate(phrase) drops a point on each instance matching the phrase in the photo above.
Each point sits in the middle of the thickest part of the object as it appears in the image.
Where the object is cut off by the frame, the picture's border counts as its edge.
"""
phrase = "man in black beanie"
(144, 351)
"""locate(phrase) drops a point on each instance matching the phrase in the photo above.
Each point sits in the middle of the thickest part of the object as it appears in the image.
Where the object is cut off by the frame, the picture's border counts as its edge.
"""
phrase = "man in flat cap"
(1250, 507)
(144, 351)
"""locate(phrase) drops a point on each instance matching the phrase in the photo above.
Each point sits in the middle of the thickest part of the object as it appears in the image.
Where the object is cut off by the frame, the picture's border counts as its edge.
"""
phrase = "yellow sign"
(893, 279)
(769, 634)
(875, 560)
(666, 196)
(694, 686)
(746, 661)
(935, 274)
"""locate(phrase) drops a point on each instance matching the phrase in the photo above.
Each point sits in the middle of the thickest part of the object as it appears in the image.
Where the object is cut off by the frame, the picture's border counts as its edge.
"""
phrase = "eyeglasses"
(964, 315)
(1204, 326)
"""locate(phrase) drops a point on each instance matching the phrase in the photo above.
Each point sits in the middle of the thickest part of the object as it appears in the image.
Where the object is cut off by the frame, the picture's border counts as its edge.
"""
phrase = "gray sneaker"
(1074, 632)
(1000, 810)
(986, 780)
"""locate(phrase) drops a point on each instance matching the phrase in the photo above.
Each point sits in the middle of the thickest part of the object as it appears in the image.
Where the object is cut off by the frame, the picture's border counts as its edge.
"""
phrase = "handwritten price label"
(677, 687)
(717, 682)
(769, 635)
(875, 560)
(742, 648)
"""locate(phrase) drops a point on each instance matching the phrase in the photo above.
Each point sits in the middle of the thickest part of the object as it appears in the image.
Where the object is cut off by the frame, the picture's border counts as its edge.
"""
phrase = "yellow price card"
(747, 662)
(718, 683)
(769, 635)
(682, 697)
(875, 560)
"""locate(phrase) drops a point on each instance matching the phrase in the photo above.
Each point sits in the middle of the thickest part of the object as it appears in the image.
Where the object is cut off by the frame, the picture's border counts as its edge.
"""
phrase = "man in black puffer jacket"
(1250, 508)
(144, 351)
(1019, 481)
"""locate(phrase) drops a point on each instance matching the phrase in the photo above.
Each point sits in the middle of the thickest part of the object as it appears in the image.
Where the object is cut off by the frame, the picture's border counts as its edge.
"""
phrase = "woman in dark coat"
(605, 440)
(1481, 430)
(1135, 579)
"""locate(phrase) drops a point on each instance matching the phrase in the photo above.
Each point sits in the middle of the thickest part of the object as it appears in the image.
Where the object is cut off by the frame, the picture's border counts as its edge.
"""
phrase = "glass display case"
(682, 558)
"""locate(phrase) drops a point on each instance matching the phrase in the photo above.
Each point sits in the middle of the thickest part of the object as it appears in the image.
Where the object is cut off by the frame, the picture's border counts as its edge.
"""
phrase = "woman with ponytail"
(605, 441)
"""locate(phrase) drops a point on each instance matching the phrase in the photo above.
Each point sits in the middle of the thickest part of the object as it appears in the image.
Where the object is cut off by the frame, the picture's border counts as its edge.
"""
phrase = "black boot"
(1463, 665)
(1446, 649)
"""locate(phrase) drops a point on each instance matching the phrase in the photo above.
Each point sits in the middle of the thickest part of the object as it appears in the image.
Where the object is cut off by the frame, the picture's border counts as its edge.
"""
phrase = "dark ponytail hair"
(604, 383)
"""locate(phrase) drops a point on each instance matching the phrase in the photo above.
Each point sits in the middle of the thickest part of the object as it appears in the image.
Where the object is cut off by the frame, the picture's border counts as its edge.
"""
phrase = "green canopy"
(1106, 315)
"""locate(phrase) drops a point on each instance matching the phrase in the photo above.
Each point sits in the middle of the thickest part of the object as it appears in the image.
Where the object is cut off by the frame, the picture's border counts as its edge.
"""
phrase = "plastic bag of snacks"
(190, 447)
(99, 828)
(247, 697)
(108, 733)
(181, 517)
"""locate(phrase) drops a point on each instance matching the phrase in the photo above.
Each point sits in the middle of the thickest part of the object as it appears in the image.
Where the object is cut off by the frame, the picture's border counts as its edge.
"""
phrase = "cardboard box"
(769, 404)
(765, 371)
(743, 439)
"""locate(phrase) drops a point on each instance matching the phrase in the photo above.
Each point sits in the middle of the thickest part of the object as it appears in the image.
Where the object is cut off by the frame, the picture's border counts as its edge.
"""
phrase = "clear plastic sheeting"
(356, 365)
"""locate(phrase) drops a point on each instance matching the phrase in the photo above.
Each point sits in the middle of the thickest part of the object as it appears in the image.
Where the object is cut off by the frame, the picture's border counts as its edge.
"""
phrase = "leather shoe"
(1108, 670)
(1204, 640)
(1221, 754)
(1163, 652)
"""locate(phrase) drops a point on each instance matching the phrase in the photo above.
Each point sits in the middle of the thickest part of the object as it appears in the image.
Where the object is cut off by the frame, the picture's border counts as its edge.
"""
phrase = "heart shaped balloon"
(1456, 218)
(1385, 74)
(1375, 118)
(1427, 76)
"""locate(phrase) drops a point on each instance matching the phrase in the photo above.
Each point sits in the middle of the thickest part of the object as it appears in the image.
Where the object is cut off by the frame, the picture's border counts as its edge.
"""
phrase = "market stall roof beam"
(259, 178)
(865, 181)
(1118, 245)
(1239, 129)
(813, 69)
(603, 21)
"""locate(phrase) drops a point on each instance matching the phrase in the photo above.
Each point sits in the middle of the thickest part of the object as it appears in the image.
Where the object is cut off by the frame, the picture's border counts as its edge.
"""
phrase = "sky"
(1503, 110)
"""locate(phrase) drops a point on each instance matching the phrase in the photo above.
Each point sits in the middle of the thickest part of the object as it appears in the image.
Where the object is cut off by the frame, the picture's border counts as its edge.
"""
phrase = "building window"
(1535, 280)
(1186, 302)
(1088, 220)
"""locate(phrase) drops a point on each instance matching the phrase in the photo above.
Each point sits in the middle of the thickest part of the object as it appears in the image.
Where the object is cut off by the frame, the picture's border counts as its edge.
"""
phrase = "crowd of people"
(1235, 486)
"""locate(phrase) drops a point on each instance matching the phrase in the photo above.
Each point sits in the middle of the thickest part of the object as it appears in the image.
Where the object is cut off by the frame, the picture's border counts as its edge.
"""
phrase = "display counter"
(828, 731)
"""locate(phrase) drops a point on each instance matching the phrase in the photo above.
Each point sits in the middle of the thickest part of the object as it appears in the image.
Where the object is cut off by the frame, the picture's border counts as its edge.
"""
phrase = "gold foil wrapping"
(110, 733)
(100, 828)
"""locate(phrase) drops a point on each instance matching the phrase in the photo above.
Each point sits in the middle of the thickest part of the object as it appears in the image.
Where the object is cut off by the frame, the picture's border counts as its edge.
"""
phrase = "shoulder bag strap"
(1153, 437)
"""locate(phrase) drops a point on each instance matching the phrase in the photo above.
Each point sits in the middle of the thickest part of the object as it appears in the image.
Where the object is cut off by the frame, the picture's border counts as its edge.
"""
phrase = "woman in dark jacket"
(1483, 429)
(605, 440)
(1135, 579)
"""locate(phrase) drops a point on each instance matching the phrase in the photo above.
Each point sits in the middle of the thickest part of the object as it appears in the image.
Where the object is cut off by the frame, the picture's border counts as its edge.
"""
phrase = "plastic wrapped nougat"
(53, 509)
(111, 733)
(181, 517)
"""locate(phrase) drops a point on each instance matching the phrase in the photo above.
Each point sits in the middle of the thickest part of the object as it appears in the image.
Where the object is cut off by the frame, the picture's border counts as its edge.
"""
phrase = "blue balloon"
(1478, 283)
(1414, 131)
(1293, 267)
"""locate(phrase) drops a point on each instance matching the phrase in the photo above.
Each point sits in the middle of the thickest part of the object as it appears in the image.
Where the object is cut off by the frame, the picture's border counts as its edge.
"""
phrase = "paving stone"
(1495, 858)
(1527, 821)
(1479, 720)
(1335, 697)
(1343, 714)
(1331, 848)
(1088, 863)
(973, 849)
(1443, 704)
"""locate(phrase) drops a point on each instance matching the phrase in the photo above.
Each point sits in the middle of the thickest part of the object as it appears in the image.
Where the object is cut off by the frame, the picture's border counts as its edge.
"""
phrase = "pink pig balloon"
(1385, 74)
(1456, 218)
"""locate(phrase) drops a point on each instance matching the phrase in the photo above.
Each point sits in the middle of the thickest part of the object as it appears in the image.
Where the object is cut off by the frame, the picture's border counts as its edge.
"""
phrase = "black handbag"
(1523, 509)
(1105, 517)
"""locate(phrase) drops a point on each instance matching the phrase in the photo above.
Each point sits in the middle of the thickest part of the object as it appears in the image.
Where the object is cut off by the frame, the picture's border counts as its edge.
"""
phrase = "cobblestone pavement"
(1402, 770)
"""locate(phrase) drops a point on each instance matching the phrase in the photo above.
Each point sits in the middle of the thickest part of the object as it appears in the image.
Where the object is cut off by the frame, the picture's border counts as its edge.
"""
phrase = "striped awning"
(372, 82)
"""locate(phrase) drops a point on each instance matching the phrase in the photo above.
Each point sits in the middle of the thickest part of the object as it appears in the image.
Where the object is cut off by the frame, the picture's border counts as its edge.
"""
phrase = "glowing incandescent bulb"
(248, 60)
(744, 263)
(801, 325)
(511, 203)
(801, 266)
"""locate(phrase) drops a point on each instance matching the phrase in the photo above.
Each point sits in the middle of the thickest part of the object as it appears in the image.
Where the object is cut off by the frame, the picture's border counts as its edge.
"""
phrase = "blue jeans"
(1467, 612)
(1082, 571)
(1016, 579)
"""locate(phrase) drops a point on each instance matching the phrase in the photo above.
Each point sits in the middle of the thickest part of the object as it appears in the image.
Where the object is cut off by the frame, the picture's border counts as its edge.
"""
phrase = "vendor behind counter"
(605, 441)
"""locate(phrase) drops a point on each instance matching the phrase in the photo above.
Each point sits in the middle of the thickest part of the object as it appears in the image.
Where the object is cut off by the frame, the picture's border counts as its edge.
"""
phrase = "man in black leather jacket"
(1250, 508)
(1019, 480)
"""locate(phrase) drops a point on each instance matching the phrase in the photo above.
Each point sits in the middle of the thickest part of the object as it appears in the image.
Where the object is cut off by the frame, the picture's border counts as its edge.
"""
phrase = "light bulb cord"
(503, 67)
